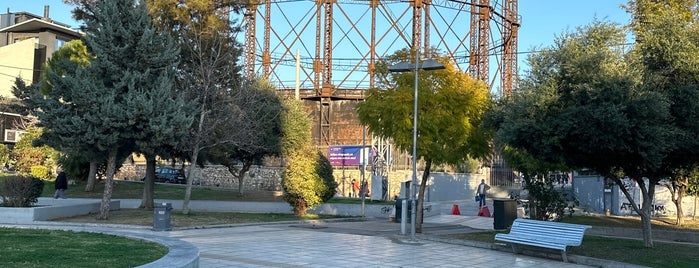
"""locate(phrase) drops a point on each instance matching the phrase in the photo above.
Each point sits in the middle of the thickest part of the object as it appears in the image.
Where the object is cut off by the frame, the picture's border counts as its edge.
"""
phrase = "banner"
(345, 155)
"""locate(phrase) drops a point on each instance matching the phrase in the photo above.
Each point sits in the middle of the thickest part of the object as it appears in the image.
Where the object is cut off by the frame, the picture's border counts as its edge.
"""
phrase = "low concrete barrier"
(48, 209)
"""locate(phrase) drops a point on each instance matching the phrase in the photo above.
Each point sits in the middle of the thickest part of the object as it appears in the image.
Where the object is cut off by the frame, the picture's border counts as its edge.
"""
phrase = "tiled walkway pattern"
(285, 246)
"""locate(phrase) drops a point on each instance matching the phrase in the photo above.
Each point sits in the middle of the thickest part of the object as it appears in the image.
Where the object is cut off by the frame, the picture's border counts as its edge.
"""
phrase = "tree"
(582, 105)
(679, 185)
(450, 110)
(308, 176)
(4, 155)
(123, 95)
(668, 48)
(296, 127)
(308, 180)
(208, 73)
(68, 58)
(255, 129)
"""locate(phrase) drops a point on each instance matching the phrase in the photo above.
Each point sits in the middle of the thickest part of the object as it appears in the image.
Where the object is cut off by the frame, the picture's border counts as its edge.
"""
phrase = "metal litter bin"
(504, 213)
(399, 210)
(161, 217)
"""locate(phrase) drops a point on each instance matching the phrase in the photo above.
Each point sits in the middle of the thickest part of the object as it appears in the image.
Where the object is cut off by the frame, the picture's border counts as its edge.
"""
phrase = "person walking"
(481, 191)
(61, 184)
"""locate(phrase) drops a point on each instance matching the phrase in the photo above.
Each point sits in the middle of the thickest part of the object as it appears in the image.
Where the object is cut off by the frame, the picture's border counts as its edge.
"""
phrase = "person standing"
(482, 190)
(61, 185)
(355, 188)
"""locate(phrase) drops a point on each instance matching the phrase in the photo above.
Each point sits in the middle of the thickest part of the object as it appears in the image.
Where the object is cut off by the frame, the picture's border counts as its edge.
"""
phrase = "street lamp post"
(427, 65)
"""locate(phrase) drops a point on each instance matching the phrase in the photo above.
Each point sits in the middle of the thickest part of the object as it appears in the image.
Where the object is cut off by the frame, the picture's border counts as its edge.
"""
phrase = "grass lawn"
(134, 190)
(670, 255)
(177, 219)
(49, 248)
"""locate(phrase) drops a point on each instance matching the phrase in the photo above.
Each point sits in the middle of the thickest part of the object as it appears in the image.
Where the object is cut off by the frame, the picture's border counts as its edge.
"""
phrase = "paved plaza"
(303, 245)
(347, 243)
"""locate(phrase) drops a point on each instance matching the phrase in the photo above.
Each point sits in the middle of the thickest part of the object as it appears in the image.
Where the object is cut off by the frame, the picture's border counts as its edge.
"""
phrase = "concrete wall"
(16, 60)
(48, 209)
(594, 197)
(589, 191)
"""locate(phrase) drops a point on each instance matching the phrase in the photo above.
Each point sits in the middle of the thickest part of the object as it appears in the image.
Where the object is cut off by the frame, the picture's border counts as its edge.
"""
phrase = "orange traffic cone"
(484, 211)
(455, 210)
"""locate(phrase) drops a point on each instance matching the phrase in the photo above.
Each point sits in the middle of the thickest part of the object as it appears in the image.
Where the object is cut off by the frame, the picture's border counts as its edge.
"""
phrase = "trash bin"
(399, 210)
(504, 213)
(161, 217)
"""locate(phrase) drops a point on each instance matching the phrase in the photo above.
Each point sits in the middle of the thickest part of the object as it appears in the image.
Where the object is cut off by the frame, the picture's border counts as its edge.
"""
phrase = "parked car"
(169, 175)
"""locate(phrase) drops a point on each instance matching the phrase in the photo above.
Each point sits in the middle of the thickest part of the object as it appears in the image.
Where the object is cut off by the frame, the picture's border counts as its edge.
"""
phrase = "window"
(59, 43)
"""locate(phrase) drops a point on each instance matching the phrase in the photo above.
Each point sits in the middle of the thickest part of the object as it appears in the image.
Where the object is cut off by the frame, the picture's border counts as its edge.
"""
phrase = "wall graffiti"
(386, 209)
(658, 209)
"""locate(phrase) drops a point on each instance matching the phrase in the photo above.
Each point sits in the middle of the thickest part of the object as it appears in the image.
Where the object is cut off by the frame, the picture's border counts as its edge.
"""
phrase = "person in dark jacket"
(61, 185)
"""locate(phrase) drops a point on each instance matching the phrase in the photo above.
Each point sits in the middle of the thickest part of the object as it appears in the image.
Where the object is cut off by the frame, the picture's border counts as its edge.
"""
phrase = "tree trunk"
(149, 184)
(241, 175)
(195, 155)
(300, 208)
(421, 196)
(190, 179)
(644, 211)
(108, 185)
(91, 177)
(694, 214)
(648, 194)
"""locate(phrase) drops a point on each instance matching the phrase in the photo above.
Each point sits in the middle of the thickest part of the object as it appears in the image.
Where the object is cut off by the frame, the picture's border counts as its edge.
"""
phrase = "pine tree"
(123, 100)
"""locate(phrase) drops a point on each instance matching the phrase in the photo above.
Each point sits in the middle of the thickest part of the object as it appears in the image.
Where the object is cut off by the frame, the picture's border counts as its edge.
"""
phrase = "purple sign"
(345, 155)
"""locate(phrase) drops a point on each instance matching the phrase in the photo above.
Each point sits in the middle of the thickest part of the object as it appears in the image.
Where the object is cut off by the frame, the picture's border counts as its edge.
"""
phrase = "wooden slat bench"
(546, 234)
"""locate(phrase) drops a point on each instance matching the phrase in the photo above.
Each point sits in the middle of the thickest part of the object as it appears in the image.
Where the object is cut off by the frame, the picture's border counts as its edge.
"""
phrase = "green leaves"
(450, 110)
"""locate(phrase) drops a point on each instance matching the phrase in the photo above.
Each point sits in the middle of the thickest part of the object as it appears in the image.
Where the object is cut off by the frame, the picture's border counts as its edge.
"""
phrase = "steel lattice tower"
(340, 42)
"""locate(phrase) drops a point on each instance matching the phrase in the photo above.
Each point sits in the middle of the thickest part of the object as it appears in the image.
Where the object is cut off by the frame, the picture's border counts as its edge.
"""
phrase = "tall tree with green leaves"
(209, 72)
(450, 109)
(308, 176)
(582, 105)
(124, 96)
(255, 130)
(68, 58)
(667, 44)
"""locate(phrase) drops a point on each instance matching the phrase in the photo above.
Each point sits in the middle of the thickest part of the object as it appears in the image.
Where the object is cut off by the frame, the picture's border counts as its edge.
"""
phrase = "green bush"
(308, 181)
(41, 172)
(548, 203)
(18, 191)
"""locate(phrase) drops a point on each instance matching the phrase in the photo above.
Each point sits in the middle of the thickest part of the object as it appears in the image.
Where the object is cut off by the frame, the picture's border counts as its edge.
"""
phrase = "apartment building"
(27, 41)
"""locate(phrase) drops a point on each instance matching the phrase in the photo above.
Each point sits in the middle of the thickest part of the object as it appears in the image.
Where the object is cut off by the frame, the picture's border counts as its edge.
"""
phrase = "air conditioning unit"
(13, 135)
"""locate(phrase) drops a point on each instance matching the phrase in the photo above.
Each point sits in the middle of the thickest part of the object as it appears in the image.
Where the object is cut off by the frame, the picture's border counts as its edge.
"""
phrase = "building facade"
(27, 41)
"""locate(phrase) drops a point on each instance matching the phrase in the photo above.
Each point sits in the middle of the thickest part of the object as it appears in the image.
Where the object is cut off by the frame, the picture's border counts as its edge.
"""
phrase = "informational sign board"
(347, 155)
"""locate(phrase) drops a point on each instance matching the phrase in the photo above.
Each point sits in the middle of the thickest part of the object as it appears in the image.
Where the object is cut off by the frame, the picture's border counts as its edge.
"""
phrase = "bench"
(546, 234)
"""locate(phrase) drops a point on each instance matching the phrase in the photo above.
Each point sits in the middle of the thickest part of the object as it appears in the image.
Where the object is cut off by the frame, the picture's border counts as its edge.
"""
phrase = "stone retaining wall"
(269, 178)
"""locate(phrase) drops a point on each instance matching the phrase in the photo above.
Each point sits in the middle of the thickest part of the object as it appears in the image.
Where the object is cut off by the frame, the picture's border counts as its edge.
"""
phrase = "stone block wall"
(261, 178)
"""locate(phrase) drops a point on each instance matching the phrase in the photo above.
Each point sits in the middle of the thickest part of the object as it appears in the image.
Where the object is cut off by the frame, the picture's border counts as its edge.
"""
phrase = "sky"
(542, 20)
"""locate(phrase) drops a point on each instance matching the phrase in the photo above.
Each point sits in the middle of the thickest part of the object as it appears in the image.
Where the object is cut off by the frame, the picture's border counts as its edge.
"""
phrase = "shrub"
(547, 202)
(41, 172)
(18, 191)
(308, 181)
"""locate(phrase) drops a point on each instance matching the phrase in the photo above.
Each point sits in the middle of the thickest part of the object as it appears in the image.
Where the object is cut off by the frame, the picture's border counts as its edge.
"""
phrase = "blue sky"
(542, 20)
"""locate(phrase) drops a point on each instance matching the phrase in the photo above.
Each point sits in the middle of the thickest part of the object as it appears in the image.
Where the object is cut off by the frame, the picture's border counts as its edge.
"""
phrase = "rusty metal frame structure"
(342, 40)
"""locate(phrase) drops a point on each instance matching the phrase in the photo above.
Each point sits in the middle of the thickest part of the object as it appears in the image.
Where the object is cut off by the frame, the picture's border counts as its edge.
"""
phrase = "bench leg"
(565, 257)
(514, 248)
